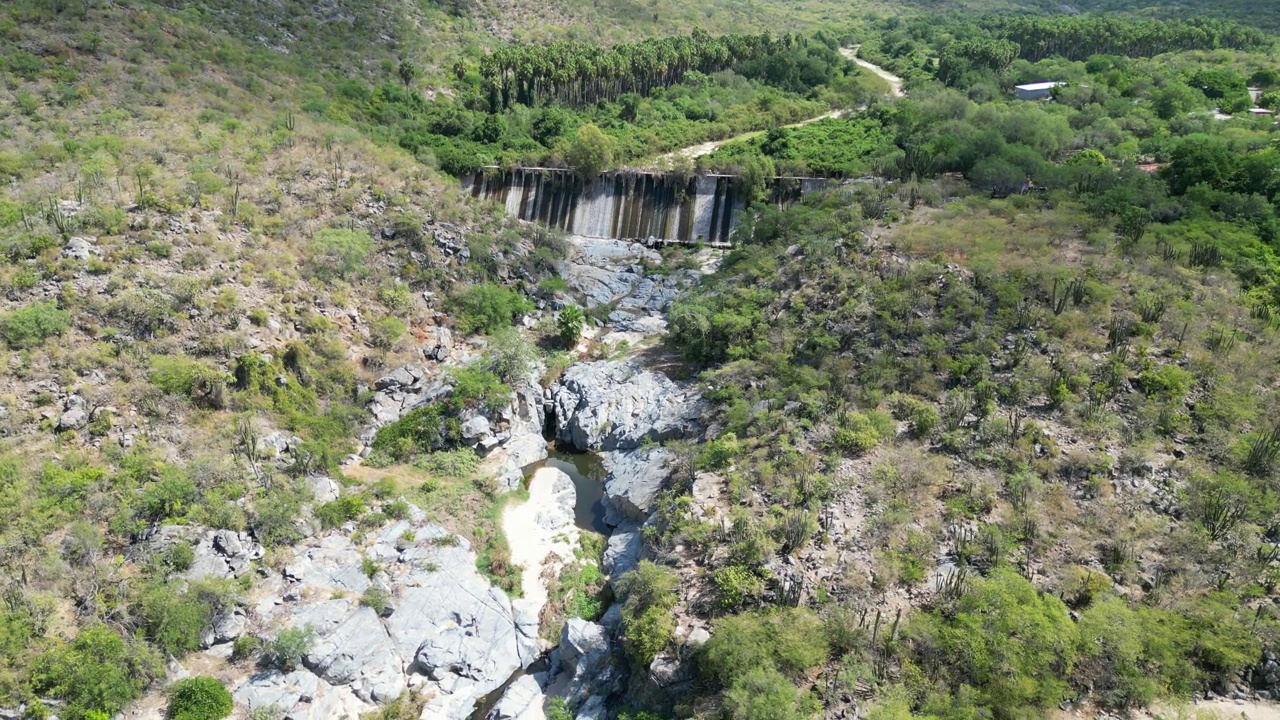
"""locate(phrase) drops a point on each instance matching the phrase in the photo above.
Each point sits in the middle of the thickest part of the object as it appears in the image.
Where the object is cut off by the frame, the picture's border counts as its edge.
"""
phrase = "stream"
(588, 474)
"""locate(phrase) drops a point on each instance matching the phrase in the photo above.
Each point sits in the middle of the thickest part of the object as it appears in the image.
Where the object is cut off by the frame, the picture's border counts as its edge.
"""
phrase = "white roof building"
(1036, 91)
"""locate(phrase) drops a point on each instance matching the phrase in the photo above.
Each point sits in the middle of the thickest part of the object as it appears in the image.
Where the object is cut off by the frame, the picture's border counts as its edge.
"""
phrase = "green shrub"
(176, 619)
(386, 332)
(648, 626)
(29, 326)
(98, 672)
(144, 313)
(340, 253)
(856, 434)
(458, 464)
(171, 495)
(1167, 382)
(738, 586)
(488, 307)
(177, 375)
(590, 151)
(922, 417)
(291, 645)
(179, 557)
(244, 647)
(396, 297)
(569, 325)
(720, 453)
(376, 598)
(1013, 644)
(510, 356)
(789, 641)
(419, 430)
(474, 386)
(765, 694)
(199, 698)
(336, 512)
(274, 516)
(160, 249)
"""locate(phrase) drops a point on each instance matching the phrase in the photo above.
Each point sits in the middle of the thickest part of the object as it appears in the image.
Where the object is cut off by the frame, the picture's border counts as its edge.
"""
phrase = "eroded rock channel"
(588, 451)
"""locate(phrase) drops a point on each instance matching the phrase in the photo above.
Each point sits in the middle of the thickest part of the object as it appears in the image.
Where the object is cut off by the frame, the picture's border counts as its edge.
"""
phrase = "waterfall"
(626, 205)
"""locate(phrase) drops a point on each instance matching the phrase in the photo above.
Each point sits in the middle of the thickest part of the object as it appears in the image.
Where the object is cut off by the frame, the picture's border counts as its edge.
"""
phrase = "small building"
(1261, 111)
(1036, 91)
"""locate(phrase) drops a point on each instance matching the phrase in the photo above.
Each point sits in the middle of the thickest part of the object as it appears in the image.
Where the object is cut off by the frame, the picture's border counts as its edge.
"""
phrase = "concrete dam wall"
(626, 205)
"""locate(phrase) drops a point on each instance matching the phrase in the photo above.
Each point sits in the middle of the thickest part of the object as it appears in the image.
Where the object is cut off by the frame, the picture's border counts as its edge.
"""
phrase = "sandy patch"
(541, 534)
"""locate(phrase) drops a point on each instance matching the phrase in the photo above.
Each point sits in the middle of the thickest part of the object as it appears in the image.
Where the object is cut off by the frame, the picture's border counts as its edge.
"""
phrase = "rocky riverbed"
(404, 608)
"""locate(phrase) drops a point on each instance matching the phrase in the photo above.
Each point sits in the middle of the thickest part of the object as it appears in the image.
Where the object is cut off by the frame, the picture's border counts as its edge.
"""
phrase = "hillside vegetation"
(202, 280)
(992, 422)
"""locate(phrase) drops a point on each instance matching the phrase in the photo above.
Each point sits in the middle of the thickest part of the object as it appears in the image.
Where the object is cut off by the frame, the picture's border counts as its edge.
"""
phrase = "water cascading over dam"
(626, 205)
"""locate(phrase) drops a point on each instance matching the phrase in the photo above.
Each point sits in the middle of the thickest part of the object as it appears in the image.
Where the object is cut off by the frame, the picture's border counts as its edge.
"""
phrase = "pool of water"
(587, 473)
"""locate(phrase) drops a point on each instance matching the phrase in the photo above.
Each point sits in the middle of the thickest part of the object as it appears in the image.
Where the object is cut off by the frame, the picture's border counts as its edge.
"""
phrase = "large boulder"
(455, 628)
(332, 563)
(585, 661)
(593, 709)
(523, 700)
(300, 695)
(612, 405)
(358, 652)
(625, 548)
(78, 248)
(634, 481)
(582, 639)
(526, 445)
(605, 271)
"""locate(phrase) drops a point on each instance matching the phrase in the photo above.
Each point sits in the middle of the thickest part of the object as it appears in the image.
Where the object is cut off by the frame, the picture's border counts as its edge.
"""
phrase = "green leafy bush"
(386, 332)
(721, 452)
(790, 642)
(244, 647)
(1167, 382)
(376, 598)
(765, 694)
(199, 698)
(97, 672)
(176, 618)
(1013, 644)
(336, 512)
(590, 151)
(487, 307)
(648, 626)
(738, 586)
(922, 417)
(569, 325)
(198, 380)
(419, 430)
(291, 645)
(856, 434)
(340, 253)
(458, 464)
(29, 326)
(510, 356)
(474, 386)
(143, 313)
(274, 517)
(171, 495)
